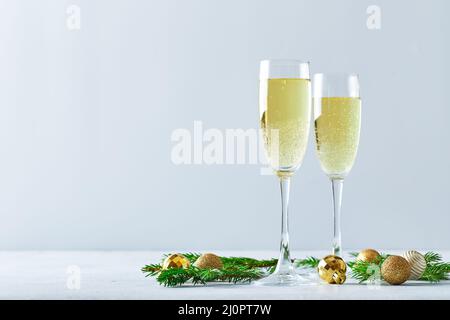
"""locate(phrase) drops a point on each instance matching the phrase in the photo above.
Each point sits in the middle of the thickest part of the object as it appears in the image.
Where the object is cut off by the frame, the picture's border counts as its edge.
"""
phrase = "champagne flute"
(285, 115)
(337, 122)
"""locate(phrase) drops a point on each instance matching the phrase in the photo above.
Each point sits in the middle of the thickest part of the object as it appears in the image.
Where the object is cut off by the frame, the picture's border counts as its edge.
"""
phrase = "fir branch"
(359, 270)
(173, 277)
(310, 262)
(366, 271)
(436, 272)
(151, 269)
(235, 270)
(432, 257)
(240, 274)
(436, 269)
(233, 261)
(248, 262)
(243, 269)
(177, 276)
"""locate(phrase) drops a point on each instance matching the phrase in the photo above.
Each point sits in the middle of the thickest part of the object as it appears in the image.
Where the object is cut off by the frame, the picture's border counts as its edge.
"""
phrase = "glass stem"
(284, 265)
(337, 185)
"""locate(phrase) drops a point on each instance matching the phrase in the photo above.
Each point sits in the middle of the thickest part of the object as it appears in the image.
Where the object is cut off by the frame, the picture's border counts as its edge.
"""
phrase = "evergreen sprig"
(244, 270)
(436, 269)
(248, 262)
(432, 257)
(174, 277)
(309, 262)
(235, 270)
(366, 271)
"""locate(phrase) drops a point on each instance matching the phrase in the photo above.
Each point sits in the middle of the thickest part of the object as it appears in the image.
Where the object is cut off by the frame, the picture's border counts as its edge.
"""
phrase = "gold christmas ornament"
(368, 255)
(176, 260)
(209, 261)
(395, 270)
(332, 269)
(417, 263)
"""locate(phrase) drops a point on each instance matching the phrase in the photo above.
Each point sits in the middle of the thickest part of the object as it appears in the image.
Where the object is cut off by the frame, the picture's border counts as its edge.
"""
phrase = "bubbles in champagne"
(285, 122)
(337, 127)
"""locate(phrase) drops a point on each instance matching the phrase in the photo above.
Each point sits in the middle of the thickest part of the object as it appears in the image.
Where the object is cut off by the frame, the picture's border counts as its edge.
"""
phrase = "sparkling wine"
(337, 126)
(285, 120)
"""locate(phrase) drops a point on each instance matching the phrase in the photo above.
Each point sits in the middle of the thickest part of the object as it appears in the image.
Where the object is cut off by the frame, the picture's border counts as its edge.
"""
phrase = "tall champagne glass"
(337, 122)
(285, 115)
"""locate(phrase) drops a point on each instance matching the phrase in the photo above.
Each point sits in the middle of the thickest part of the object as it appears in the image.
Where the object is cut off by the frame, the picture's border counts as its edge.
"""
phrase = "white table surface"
(117, 275)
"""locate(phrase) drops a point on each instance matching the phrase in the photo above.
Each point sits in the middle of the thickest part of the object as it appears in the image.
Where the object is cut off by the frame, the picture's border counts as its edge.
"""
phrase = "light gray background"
(86, 118)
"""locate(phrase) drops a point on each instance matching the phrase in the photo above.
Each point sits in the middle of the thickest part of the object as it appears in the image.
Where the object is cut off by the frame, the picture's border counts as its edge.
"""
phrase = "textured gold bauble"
(395, 270)
(176, 260)
(417, 262)
(368, 255)
(209, 261)
(332, 269)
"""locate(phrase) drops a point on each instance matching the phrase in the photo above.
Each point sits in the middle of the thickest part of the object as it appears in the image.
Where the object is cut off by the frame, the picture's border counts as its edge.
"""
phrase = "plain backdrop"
(86, 118)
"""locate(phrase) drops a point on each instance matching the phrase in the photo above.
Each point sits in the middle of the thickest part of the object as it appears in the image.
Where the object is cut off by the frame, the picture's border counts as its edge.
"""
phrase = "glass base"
(284, 279)
(309, 273)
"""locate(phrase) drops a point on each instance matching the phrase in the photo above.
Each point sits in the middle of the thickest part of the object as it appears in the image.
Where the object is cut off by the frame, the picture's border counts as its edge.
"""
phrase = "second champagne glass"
(337, 122)
(285, 116)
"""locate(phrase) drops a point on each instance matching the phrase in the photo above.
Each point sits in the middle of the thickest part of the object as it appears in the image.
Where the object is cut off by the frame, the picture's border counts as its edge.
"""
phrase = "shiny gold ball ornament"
(177, 261)
(209, 261)
(395, 270)
(368, 255)
(332, 269)
(417, 263)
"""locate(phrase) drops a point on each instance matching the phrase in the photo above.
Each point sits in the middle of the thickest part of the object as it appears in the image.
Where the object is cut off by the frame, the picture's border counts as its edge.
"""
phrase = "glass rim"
(284, 68)
(334, 84)
(284, 61)
(337, 74)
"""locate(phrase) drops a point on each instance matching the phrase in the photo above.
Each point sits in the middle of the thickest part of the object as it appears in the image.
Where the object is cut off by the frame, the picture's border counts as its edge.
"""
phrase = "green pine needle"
(366, 271)
(244, 270)
(432, 257)
(235, 270)
(436, 269)
(248, 262)
(174, 277)
(310, 262)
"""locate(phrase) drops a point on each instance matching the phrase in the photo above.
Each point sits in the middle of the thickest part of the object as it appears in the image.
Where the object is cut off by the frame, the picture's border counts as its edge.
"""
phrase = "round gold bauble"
(395, 270)
(417, 263)
(176, 260)
(368, 255)
(332, 269)
(209, 261)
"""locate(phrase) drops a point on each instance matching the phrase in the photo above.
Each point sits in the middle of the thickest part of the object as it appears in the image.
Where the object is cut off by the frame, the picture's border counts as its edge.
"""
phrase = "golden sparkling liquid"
(285, 119)
(337, 125)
